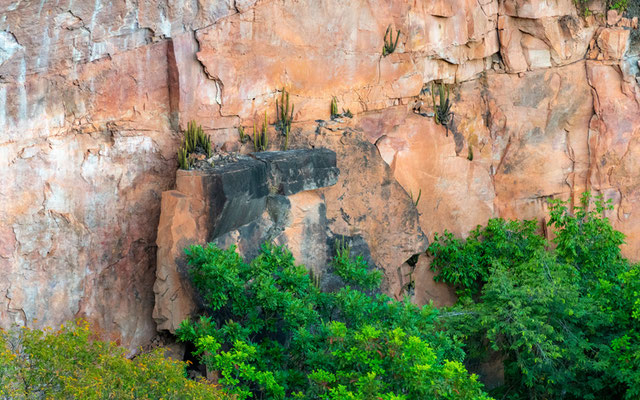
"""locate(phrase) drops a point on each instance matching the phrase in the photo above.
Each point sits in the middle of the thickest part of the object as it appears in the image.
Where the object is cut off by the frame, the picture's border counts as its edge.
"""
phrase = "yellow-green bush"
(68, 364)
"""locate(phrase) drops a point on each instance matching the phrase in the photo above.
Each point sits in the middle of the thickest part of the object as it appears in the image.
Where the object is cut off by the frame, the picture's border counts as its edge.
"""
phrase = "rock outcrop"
(292, 198)
(93, 95)
(243, 200)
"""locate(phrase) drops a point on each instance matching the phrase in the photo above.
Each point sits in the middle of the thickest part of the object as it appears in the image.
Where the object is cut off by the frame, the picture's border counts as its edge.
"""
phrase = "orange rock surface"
(93, 95)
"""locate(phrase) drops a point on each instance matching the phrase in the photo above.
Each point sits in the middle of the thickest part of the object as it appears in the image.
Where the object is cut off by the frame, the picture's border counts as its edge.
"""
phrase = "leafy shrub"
(565, 319)
(466, 264)
(271, 333)
(67, 364)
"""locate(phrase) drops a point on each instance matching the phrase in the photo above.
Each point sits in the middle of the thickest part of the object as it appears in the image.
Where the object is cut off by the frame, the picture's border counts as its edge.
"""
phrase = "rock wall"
(93, 95)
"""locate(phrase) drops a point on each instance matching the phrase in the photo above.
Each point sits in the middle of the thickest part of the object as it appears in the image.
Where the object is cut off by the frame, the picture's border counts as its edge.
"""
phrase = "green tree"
(560, 313)
(271, 333)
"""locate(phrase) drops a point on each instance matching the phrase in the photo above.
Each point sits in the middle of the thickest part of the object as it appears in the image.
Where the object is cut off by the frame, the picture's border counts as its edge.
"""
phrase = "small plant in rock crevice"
(284, 115)
(260, 138)
(416, 200)
(442, 109)
(619, 5)
(389, 44)
(334, 110)
(195, 142)
(242, 136)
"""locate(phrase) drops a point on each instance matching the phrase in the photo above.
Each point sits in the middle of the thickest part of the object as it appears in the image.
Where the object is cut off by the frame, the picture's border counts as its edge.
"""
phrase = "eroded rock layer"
(93, 95)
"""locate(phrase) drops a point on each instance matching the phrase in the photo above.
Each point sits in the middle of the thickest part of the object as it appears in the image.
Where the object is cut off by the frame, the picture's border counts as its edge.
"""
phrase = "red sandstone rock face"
(87, 160)
(614, 148)
(532, 137)
(426, 290)
(368, 202)
(92, 94)
(342, 53)
(455, 193)
(366, 206)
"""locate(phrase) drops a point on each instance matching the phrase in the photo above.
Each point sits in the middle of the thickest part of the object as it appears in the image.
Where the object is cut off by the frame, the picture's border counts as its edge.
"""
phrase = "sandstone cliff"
(93, 95)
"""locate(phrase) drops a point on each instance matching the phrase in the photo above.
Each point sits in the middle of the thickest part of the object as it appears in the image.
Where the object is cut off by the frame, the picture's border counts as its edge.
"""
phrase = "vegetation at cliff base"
(69, 364)
(563, 315)
(619, 5)
(271, 333)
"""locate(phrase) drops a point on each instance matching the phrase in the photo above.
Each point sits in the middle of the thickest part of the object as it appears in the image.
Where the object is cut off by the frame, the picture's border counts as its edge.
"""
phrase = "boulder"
(610, 44)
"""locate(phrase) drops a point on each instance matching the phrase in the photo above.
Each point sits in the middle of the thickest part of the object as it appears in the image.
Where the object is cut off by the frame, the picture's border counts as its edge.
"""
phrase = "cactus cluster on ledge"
(195, 142)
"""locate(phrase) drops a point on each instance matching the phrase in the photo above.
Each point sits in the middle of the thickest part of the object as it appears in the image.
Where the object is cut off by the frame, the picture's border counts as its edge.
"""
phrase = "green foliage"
(599, 243)
(195, 142)
(284, 117)
(242, 136)
(261, 139)
(584, 5)
(354, 271)
(417, 199)
(389, 44)
(620, 5)
(466, 264)
(68, 364)
(184, 159)
(470, 153)
(564, 319)
(442, 110)
(334, 108)
(271, 333)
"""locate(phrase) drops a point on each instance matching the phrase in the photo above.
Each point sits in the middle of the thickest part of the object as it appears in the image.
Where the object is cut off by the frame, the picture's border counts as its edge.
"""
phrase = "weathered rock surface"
(614, 138)
(610, 44)
(368, 202)
(293, 171)
(237, 201)
(528, 44)
(307, 209)
(93, 93)
(84, 164)
(454, 193)
(515, 142)
(426, 289)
